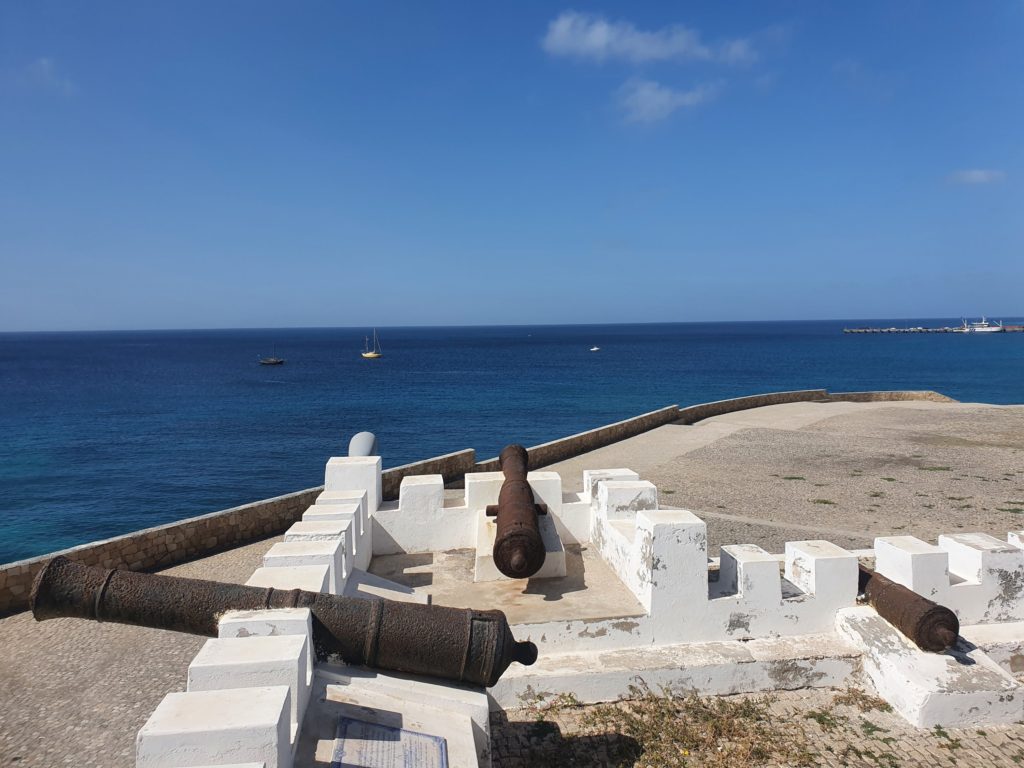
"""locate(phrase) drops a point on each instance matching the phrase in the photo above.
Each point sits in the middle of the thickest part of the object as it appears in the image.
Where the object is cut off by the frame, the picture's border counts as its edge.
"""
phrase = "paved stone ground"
(76, 692)
(837, 735)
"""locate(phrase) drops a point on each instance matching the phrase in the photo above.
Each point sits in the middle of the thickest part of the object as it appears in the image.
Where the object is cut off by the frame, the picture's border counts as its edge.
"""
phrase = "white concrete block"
(1016, 538)
(273, 622)
(591, 477)
(547, 489)
(822, 569)
(960, 688)
(482, 489)
(622, 499)
(218, 727)
(318, 530)
(300, 553)
(345, 499)
(574, 520)
(355, 473)
(913, 563)
(554, 552)
(421, 495)
(256, 662)
(327, 530)
(973, 555)
(312, 578)
(748, 570)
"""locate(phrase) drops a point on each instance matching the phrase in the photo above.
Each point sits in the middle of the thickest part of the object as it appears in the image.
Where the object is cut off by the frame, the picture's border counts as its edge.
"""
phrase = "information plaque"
(359, 744)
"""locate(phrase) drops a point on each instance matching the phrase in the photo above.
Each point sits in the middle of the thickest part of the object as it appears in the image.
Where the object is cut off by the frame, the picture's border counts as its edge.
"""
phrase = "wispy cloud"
(42, 74)
(646, 101)
(593, 37)
(977, 176)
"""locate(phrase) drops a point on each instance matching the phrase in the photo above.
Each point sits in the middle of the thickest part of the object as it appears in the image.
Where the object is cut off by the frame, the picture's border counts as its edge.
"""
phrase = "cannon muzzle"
(518, 547)
(932, 627)
(457, 644)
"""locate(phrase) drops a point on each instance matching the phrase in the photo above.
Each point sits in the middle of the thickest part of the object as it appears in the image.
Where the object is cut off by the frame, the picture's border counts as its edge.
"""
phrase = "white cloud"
(589, 36)
(977, 176)
(645, 101)
(42, 74)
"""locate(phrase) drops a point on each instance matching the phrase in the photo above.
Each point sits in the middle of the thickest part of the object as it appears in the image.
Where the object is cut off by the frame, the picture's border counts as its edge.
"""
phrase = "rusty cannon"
(518, 547)
(456, 644)
(932, 627)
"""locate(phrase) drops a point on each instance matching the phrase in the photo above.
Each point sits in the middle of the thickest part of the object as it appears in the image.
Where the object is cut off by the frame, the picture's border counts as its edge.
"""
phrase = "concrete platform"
(589, 589)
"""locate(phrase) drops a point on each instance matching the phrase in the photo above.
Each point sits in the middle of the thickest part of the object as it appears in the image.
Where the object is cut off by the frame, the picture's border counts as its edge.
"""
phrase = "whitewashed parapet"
(661, 556)
(976, 575)
(422, 522)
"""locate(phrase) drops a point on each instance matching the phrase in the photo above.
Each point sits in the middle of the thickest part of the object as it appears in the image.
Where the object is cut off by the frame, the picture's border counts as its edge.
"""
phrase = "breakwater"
(944, 329)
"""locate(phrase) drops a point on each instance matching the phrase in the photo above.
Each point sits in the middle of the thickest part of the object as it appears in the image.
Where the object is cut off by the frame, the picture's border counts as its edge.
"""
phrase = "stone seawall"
(695, 413)
(565, 448)
(896, 395)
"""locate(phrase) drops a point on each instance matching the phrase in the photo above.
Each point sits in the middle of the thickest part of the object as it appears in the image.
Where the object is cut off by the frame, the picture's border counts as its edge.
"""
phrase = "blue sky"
(194, 165)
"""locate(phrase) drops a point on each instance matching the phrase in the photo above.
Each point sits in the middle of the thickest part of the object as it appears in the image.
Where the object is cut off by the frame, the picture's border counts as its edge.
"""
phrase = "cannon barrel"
(932, 627)
(518, 547)
(455, 644)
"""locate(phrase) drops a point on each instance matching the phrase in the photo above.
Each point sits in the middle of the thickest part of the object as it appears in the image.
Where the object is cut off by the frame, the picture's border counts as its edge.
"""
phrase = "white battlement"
(976, 575)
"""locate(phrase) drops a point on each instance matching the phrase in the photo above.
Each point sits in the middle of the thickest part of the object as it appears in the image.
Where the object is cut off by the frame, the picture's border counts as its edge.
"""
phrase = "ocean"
(106, 433)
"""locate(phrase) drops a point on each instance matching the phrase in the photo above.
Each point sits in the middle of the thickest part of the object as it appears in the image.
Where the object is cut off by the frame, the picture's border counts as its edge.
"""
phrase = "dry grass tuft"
(659, 729)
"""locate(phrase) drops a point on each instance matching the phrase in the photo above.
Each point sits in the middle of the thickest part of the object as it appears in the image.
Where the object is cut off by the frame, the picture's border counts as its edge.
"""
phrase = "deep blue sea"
(105, 433)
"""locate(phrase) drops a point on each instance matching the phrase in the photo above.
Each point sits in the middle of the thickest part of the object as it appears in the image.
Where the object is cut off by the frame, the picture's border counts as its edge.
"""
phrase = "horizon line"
(480, 325)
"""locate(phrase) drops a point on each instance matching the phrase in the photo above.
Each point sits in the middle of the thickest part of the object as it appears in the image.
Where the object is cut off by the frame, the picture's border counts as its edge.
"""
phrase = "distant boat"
(273, 359)
(372, 354)
(595, 348)
(983, 327)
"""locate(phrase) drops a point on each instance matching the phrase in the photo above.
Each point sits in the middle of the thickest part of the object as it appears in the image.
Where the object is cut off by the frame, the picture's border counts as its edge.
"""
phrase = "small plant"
(889, 479)
(934, 469)
(827, 719)
(822, 501)
(862, 700)
(794, 477)
(876, 494)
(869, 728)
(1010, 509)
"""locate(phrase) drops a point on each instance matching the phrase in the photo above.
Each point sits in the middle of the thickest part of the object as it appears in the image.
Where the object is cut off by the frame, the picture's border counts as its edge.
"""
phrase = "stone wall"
(890, 396)
(564, 448)
(695, 413)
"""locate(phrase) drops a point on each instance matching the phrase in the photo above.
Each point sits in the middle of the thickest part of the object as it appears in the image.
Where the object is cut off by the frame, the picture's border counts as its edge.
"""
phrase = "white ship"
(983, 327)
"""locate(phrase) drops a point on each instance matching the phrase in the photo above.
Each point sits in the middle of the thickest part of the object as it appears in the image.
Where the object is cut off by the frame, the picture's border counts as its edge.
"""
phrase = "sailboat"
(374, 353)
(273, 359)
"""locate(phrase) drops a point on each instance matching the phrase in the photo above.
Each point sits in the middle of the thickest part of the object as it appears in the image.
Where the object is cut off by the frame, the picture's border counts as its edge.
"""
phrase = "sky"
(252, 164)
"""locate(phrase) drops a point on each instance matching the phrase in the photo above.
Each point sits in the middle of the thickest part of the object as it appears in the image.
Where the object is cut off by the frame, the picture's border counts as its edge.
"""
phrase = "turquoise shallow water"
(104, 433)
